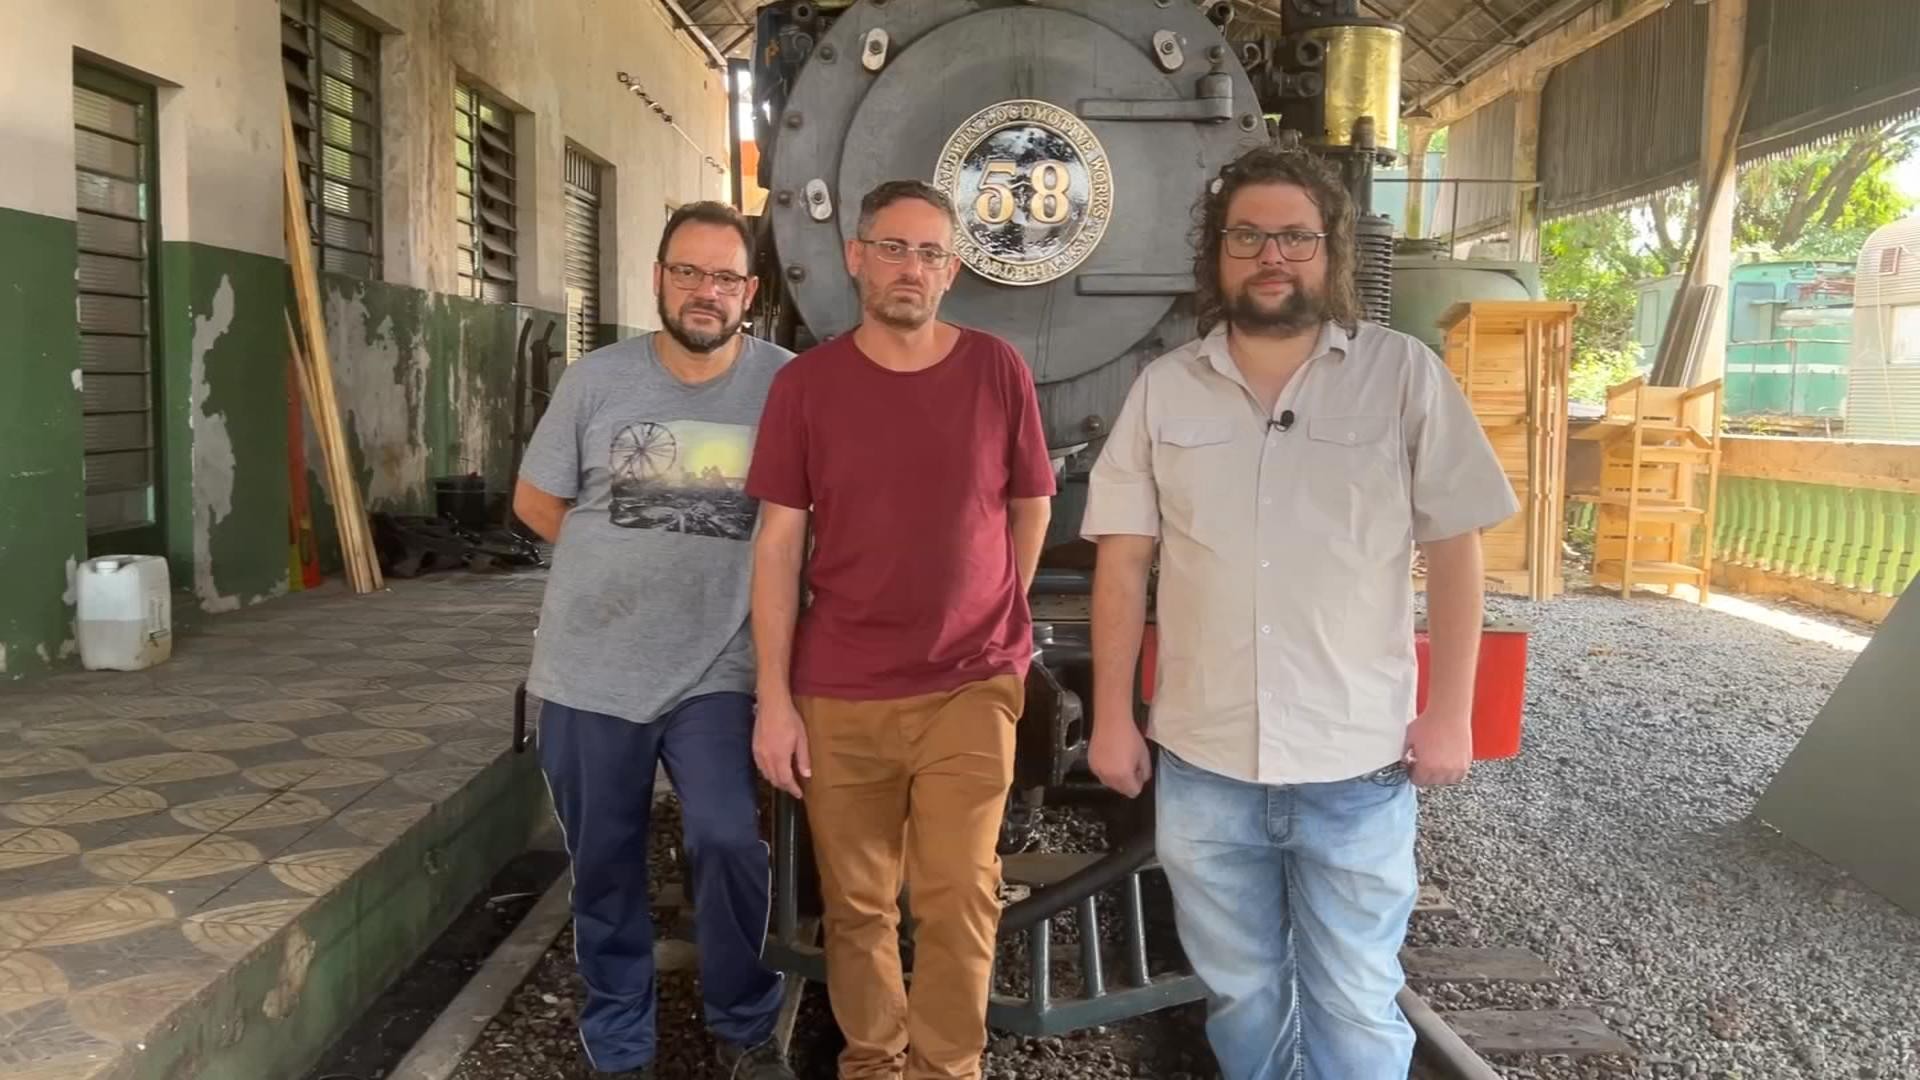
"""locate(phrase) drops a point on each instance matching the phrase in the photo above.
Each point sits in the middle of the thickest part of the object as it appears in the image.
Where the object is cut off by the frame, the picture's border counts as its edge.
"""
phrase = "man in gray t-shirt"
(637, 473)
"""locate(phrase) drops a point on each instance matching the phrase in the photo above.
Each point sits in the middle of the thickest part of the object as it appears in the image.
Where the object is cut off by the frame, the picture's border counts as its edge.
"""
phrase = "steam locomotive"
(1074, 137)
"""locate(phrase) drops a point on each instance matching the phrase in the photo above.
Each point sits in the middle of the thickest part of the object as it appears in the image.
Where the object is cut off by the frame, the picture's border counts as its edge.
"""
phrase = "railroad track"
(1455, 1045)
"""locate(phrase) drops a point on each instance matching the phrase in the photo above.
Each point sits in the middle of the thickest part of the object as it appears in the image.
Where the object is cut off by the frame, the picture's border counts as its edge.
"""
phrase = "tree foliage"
(1820, 203)
(1592, 259)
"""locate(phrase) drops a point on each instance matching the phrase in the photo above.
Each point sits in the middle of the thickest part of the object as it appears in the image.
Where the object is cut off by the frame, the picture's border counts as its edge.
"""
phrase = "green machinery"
(1789, 334)
(1427, 281)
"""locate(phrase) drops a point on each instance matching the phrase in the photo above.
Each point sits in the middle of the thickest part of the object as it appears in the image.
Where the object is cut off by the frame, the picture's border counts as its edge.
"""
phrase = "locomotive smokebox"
(1073, 136)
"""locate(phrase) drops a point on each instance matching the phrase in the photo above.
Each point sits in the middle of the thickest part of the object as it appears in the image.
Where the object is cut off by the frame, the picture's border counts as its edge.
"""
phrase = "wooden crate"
(1659, 483)
(1512, 359)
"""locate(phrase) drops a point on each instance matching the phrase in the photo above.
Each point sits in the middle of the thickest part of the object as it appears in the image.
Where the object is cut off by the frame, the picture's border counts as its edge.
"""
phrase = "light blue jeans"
(1292, 904)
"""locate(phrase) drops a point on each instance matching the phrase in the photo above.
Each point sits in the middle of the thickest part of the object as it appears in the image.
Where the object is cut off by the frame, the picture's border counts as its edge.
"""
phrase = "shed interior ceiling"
(1448, 41)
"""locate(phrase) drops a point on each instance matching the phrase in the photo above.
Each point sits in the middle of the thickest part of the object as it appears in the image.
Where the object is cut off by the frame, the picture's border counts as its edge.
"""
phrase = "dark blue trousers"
(600, 769)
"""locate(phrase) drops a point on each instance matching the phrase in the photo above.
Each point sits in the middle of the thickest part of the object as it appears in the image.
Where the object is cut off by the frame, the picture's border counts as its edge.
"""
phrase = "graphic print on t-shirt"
(683, 476)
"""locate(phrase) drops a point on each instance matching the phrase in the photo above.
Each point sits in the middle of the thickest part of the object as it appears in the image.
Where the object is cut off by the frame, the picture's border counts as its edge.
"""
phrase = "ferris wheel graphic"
(643, 451)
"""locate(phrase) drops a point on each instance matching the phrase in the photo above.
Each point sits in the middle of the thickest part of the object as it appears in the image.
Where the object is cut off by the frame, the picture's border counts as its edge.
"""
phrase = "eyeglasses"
(894, 251)
(687, 277)
(1296, 245)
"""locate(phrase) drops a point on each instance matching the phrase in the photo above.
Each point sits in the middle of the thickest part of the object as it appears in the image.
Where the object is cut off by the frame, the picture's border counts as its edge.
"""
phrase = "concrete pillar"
(1726, 57)
(1419, 138)
(1524, 230)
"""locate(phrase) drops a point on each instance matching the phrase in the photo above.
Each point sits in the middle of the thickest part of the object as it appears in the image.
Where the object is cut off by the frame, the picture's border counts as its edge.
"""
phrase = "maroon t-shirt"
(907, 474)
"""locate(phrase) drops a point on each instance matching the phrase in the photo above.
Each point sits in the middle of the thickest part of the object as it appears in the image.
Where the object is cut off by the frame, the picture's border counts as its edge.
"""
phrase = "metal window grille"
(582, 190)
(332, 68)
(113, 182)
(484, 175)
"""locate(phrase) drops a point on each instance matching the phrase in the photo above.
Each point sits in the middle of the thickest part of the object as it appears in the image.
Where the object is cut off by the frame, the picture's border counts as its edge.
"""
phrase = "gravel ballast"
(1619, 847)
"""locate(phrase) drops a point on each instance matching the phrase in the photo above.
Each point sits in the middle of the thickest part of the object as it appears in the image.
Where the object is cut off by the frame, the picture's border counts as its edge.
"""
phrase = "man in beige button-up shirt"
(1285, 465)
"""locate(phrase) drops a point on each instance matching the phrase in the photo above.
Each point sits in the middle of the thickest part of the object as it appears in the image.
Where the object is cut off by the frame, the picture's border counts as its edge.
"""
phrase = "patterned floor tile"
(41, 921)
(159, 825)
(125, 1010)
(93, 732)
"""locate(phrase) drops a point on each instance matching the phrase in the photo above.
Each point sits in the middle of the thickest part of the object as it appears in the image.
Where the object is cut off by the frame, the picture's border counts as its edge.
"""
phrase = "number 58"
(997, 199)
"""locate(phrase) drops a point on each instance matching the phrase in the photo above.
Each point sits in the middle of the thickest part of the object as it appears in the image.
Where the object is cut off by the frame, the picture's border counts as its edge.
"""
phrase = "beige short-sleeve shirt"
(1285, 599)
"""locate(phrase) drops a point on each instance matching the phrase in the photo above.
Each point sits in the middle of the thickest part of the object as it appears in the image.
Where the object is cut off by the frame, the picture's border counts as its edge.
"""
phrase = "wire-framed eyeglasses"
(896, 251)
(1296, 245)
(688, 277)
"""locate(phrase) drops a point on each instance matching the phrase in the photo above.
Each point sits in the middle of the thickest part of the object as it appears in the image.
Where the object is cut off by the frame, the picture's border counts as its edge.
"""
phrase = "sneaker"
(763, 1062)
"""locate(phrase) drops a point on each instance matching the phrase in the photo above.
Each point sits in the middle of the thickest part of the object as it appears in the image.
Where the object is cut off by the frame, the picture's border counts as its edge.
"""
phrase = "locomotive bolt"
(796, 273)
(825, 53)
(874, 45)
(784, 198)
(1166, 46)
(793, 119)
(1217, 54)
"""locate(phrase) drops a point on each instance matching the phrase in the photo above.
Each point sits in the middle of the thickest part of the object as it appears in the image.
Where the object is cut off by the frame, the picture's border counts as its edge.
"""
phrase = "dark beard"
(1300, 311)
(698, 341)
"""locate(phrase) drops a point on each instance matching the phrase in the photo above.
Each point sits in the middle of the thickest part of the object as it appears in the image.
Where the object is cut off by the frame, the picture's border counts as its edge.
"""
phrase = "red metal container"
(1499, 688)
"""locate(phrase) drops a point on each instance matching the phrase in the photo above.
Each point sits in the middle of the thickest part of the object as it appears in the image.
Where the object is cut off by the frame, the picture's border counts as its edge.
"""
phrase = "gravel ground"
(1620, 847)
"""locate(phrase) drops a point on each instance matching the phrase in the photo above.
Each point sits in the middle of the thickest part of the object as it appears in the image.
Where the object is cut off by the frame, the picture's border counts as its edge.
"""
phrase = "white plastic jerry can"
(126, 613)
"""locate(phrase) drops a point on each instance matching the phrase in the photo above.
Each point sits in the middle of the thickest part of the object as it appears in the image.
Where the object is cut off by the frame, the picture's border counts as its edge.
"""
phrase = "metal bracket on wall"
(819, 203)
(1134, 284)
(1213, 103)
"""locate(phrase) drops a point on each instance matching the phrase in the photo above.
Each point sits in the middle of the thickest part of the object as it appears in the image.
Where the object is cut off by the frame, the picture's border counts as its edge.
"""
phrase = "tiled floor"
(158, 826)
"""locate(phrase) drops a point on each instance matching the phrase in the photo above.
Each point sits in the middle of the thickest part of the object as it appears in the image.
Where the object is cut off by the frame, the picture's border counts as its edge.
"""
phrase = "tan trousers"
(916, 784)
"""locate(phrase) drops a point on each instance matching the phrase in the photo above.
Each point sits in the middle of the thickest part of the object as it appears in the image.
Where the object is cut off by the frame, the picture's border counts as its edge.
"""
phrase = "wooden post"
(1523, 230)
(1419, 138)
(1726, 47)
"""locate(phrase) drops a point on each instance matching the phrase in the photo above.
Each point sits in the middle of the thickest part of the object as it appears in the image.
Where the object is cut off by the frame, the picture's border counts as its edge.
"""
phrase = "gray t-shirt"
(647, 601)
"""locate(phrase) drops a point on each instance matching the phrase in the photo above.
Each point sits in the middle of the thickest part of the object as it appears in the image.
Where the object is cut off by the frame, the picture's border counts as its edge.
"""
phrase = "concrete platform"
(207, 869)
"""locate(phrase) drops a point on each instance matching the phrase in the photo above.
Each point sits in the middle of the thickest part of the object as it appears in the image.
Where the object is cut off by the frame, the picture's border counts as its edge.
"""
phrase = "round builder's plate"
(1033, 188)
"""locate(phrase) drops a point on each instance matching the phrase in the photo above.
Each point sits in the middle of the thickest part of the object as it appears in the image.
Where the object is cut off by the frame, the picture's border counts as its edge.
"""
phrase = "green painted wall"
(225, 395)
(425, 384)
(42, 515)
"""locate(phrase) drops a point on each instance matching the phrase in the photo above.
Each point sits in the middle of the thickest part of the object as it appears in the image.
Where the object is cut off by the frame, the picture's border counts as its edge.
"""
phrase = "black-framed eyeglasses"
(1296, 245)
(895, 251)
(688, 277)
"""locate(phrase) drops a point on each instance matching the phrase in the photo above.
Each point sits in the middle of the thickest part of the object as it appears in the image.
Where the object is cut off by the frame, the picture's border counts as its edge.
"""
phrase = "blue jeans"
(1292, 904)
(600, 769)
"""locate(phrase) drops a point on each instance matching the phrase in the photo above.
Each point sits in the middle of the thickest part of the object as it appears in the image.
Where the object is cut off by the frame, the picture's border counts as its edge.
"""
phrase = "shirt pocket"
(1353, 484)
(1192, 456)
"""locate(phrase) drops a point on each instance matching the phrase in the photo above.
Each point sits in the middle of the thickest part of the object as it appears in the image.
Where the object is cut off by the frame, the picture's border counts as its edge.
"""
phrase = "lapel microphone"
(1285, 421)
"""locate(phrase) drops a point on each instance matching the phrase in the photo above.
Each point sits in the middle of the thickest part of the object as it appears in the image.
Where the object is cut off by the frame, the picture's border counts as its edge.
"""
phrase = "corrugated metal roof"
(1478, 148)
(1447, 40)
(1622, 120)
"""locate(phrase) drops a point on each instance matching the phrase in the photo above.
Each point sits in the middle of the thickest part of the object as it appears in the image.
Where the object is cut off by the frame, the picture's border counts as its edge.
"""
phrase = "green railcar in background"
(1789, 339)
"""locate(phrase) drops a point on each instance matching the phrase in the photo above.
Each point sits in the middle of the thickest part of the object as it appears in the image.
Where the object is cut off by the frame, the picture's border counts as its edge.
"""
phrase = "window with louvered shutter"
(114, 225)
(582, 196)
(484, 183)
(332, 67)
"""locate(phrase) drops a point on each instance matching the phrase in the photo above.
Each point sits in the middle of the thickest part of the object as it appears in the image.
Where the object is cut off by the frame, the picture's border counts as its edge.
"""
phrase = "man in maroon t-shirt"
(914, 448)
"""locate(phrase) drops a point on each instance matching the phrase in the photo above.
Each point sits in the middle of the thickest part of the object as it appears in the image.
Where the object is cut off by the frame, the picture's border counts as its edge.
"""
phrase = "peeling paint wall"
(425, 388)
(424, 378)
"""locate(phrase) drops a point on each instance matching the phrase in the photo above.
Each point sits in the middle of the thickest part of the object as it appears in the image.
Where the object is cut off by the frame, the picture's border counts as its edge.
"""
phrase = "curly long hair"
(1277, 165)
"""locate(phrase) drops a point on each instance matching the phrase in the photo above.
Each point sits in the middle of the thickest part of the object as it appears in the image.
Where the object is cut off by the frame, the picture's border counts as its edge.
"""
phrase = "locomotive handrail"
(1111, 869)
